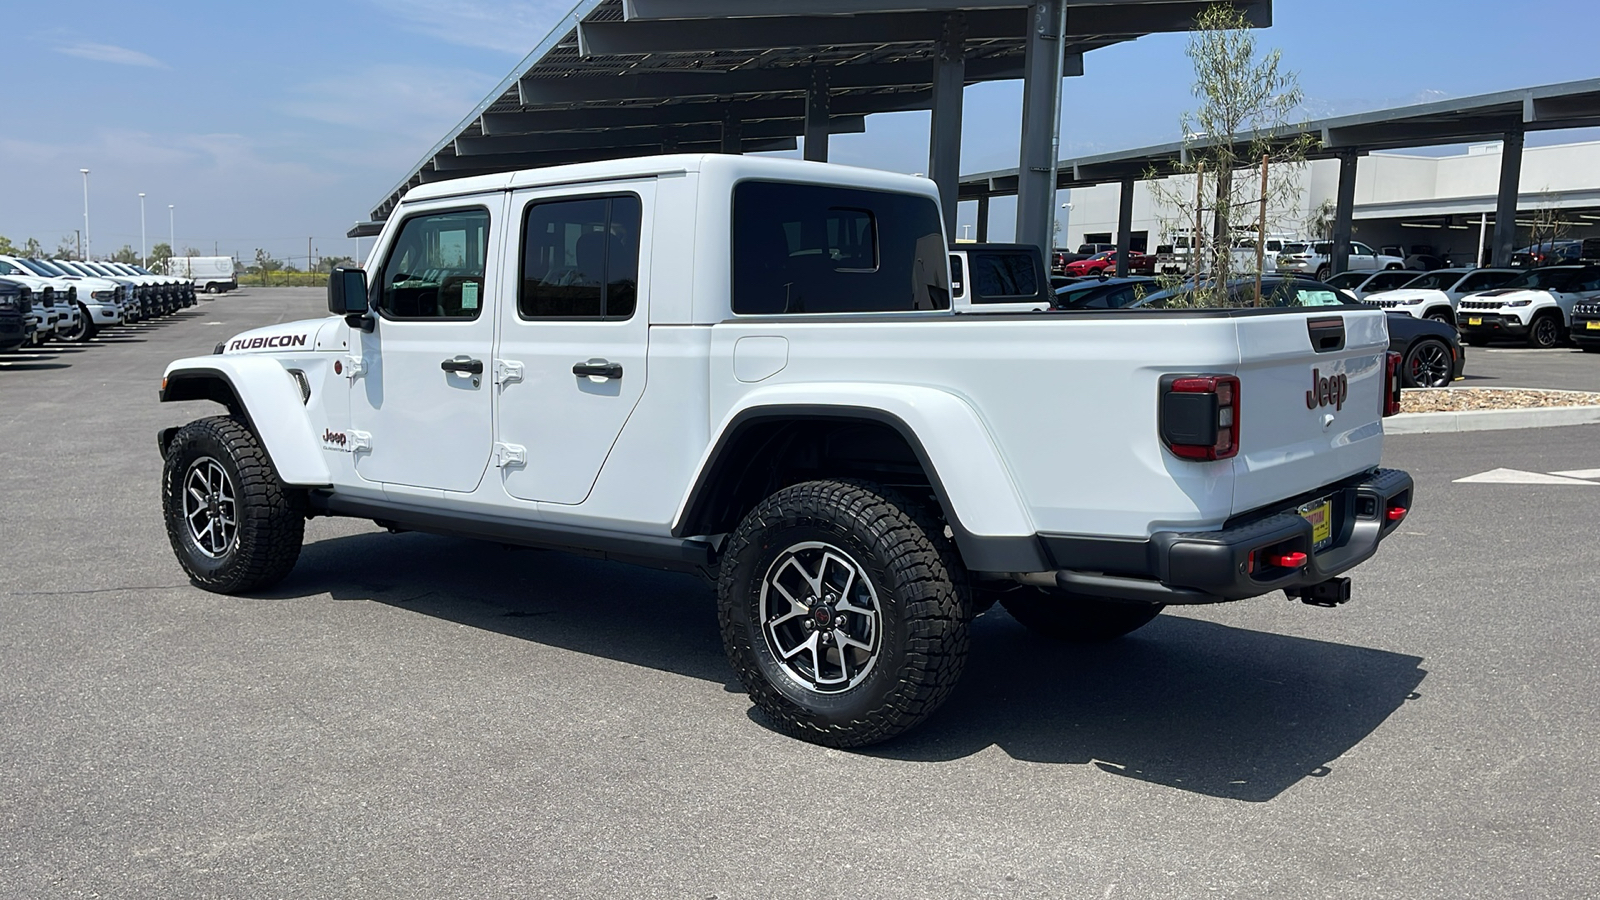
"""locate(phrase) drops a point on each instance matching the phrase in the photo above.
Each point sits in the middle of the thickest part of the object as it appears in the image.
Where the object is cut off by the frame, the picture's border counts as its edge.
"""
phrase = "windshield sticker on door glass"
(469, 295)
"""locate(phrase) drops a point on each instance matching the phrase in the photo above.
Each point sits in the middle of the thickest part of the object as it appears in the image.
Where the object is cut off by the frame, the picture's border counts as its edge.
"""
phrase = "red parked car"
(1138, 264)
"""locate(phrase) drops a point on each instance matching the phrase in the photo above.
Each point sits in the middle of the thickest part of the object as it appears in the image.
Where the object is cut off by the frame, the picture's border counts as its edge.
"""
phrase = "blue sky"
(263, 124)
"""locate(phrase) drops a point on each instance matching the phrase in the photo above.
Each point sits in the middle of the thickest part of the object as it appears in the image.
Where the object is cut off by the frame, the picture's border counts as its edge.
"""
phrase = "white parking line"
(1517, 476)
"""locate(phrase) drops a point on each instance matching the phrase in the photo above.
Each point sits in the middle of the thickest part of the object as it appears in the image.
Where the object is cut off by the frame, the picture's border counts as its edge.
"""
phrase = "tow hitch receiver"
(1329, 593)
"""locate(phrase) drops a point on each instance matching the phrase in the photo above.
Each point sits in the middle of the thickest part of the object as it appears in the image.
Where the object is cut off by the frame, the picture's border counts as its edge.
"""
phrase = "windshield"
(37, 268)
(141, 270)
(1241, 294)
(1434, 281)
(1294, 248)
(1539, 280)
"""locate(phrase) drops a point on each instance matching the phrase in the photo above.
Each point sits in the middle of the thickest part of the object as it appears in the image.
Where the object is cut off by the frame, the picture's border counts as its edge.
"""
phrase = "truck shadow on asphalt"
(1211, 709)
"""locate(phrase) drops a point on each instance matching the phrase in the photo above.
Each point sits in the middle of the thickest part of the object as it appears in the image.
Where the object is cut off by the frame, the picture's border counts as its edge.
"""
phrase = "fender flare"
(965, 468)
(261, 391)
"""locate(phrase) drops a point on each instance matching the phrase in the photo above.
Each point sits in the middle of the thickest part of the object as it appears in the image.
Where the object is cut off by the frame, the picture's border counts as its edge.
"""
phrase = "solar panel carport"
(1506, 116)
(619, 78)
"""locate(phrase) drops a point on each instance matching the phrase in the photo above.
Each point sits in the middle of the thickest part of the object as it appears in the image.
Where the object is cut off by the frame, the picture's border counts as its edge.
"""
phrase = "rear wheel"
(1545, 333)
(233, 525)
(844, 612)
(1082, 620)
(1427, 364)
(1323, 273)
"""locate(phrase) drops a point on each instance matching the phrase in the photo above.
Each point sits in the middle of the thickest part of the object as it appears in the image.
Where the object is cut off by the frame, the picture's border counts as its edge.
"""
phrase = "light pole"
(144, 260)
(87, 246)
(172, 234)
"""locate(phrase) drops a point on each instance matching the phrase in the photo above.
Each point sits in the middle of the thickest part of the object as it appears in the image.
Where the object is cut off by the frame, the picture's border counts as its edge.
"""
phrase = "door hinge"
(508, 455)
(507, 372)
(354, 366)
(359, 441)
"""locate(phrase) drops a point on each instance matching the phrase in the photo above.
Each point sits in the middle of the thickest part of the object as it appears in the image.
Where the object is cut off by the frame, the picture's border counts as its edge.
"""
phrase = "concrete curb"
(1490, 420)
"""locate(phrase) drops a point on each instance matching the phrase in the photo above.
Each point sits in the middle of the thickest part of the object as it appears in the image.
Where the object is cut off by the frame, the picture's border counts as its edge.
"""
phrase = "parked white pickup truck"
(750, 368)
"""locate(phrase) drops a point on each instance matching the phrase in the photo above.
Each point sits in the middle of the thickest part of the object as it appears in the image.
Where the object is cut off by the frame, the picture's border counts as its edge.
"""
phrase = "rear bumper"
(1489, 325)
(1175, 567)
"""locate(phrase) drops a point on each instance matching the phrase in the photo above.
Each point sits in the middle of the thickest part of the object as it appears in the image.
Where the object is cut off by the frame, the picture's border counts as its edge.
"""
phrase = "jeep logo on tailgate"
(1330, 391)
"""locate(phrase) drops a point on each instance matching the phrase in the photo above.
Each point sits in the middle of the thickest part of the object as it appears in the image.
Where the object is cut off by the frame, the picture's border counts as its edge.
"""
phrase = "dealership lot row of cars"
(71, 300)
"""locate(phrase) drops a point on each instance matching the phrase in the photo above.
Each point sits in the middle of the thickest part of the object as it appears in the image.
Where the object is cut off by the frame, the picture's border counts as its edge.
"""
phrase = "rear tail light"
(1391, 385)
(1200, 416)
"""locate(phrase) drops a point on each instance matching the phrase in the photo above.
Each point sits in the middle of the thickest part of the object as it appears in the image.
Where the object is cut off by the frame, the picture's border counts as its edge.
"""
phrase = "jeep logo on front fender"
(1330, 391)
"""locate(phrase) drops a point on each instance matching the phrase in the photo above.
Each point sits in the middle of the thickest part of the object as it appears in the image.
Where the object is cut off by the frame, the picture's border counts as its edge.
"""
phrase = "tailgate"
(1309, 415)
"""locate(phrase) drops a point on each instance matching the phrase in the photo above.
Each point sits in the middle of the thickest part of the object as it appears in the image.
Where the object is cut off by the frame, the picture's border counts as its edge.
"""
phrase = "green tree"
(1242, 124)
(329, 263)
(67, 247)
(33, 249)
(266, 265)
(7, 248)
(125, 255)
(159, 254)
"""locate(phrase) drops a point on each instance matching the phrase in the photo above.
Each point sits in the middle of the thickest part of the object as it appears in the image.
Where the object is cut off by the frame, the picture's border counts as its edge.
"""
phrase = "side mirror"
(347, 296)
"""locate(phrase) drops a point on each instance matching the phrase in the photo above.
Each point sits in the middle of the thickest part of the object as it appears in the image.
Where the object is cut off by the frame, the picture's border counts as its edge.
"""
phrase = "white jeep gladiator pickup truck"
(749, 368)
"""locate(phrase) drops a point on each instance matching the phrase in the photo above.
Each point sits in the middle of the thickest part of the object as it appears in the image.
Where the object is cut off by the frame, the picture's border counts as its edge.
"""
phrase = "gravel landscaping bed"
(1424, 400)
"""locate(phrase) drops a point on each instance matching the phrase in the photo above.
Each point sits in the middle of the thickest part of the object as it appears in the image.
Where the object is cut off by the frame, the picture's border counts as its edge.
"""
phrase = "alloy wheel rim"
(1546, 331)
(210, 507)
(1429, 367)
(821, 617)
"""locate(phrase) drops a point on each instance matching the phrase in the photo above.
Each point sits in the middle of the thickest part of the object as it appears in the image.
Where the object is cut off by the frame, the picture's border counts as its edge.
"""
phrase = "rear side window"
(580, 259)
(1003, 276)
(800, 248)
(958, 273)
(435, 268)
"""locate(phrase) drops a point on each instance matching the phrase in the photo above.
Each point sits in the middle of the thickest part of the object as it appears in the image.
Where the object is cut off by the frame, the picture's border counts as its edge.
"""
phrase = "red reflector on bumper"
(1396, 513)
(1288, 560)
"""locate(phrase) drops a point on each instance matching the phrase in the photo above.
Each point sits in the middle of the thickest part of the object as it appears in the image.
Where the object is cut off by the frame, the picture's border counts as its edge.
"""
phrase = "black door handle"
(464, 366)
(598, 368)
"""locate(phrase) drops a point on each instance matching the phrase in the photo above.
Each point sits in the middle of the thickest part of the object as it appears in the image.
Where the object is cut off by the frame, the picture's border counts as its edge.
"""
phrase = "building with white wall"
(1402, 200)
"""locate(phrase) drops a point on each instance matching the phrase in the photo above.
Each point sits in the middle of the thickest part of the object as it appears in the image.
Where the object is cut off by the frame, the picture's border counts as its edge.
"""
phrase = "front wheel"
(232, 524)
(1081, 620)
(844, 612)
(1428, 364)
(1545, 333)
(86, 328)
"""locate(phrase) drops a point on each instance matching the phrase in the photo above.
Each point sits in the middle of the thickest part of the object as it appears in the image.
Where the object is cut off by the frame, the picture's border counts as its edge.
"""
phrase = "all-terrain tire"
(1080, 620)
(905, 570)
(1545, 332)
(219, 466)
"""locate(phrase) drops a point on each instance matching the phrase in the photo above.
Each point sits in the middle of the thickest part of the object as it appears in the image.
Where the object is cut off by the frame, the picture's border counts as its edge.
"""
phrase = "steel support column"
(944, 133)
(816, 148)
(1505, 205)
(1125, 227)
(1344, 210)
(732, 134)
(1041, 124)
(983, 219)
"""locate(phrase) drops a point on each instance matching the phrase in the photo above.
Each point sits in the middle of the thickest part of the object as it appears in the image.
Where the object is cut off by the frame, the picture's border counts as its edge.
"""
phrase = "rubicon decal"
(275, 342)
(1330, 391)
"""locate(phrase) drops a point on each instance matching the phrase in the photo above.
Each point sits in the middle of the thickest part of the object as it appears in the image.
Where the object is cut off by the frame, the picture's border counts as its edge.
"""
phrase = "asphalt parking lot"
(418, 716)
